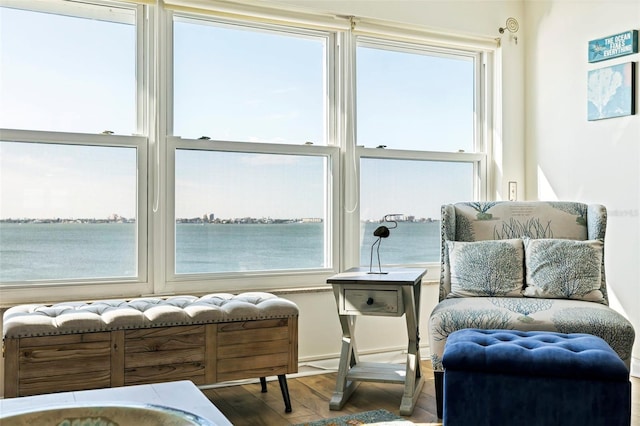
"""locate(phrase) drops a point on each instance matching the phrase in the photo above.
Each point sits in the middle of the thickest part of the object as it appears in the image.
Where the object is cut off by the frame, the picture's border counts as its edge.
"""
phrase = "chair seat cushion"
(534, 353)
(529, 314)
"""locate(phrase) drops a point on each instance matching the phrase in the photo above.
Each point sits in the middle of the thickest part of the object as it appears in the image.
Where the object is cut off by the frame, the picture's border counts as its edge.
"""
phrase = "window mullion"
(350, 182)
(161, 165)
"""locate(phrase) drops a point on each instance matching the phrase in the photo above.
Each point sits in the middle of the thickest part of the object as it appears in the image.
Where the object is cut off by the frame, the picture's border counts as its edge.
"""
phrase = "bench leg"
(285, 392)
(439, 383)
(282, 379)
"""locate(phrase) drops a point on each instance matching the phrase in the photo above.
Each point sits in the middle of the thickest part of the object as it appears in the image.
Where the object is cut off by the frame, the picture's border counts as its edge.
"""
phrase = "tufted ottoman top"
(533, 353)
(107, 315)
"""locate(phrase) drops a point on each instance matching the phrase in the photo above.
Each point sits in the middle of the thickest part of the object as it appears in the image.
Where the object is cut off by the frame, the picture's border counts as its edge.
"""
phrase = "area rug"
(377, 417)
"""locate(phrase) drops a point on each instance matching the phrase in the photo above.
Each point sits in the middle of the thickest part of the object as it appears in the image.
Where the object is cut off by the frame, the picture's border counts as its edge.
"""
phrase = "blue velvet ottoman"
(509, 377)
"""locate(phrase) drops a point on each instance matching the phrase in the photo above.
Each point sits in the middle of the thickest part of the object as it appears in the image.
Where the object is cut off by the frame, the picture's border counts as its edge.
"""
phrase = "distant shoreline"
(58, 221)
(198, 221)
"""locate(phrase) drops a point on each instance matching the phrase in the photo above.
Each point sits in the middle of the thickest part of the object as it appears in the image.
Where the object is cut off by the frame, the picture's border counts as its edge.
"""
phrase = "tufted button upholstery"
(534, 378)
(533, 353)
(107, 315)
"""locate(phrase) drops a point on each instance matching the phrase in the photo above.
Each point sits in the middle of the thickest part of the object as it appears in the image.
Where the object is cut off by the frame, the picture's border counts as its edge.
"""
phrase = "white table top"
(392, 275)
(183, 395)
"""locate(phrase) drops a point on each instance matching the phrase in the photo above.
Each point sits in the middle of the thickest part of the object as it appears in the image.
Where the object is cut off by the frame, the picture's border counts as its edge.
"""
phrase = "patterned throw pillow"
(564, 269)
(486, 268)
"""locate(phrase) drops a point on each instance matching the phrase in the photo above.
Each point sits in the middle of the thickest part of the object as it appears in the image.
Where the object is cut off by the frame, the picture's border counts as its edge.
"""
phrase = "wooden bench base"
(202, 353)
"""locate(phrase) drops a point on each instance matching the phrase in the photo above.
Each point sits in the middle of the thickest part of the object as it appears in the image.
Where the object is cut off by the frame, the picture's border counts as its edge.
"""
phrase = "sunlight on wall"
(545, 191)
(614, 302)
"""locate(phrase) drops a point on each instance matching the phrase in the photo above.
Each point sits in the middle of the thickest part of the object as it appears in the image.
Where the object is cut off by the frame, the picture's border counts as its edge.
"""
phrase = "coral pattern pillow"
(564, 269)
(486, 268)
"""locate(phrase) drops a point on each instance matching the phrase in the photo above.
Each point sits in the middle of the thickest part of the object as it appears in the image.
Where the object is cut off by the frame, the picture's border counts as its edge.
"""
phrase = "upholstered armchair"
(529, 266)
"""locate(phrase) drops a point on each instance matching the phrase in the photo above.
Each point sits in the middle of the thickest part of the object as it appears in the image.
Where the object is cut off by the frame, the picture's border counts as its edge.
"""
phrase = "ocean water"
(410, 242)
(39, 251)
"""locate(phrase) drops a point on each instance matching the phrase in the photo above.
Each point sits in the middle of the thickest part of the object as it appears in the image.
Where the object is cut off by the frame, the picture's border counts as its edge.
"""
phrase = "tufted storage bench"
(209, 339)
(508, 377)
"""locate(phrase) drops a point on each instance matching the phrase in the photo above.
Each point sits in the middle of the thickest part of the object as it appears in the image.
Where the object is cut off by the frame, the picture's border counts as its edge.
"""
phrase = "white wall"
(570, 158)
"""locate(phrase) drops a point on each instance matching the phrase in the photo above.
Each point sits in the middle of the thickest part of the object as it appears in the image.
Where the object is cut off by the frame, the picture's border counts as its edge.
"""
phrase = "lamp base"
(378, 273)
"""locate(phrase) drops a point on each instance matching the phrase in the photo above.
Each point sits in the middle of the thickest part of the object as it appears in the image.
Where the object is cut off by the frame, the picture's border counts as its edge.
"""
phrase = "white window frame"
(202, 282)
(479, 158)
(329, 68)
(264, 280)
(19, 291)
(52, 290)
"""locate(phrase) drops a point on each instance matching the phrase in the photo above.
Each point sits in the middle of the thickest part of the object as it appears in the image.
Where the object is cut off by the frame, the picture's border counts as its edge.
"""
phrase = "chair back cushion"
(505, 220)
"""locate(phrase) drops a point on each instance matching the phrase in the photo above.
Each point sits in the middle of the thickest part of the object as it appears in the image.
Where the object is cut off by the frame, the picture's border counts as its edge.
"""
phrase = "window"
(254, 176)
(73, 184)
(237, 83)
(412, 191)
(249, 212)
(68, 73)
(415, 99)
(417, 117)
(70, 217)
(158, 147)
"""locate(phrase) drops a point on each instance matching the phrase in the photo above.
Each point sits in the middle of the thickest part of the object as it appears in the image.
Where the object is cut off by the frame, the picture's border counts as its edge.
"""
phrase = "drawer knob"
(370, 301)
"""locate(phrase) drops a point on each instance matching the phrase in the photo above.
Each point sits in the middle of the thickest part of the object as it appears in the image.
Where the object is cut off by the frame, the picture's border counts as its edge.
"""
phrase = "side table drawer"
(365, 301)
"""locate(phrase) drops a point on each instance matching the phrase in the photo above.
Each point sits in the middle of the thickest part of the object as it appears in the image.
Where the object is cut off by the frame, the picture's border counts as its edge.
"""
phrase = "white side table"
(394, 293)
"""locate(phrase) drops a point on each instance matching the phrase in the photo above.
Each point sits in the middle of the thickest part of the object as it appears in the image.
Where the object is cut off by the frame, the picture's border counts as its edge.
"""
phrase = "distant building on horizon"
(311, 220)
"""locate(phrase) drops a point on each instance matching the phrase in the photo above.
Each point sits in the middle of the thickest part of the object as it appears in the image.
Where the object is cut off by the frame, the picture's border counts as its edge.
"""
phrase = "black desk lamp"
(381, 232)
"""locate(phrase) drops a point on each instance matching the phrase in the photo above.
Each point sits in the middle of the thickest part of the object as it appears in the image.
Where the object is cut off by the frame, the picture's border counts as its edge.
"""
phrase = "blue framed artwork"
(613, 46)
(610, 91)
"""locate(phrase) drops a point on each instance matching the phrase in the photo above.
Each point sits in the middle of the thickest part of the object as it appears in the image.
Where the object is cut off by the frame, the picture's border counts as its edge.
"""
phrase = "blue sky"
(69, 74)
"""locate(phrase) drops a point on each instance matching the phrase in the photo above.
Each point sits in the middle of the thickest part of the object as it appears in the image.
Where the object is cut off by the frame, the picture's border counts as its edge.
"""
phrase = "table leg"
(414, 380)
(348, 358)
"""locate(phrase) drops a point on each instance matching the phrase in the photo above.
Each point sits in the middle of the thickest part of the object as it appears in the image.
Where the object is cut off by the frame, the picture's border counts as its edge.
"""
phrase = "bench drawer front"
(165, 354)
(252, 349)
(63, 363)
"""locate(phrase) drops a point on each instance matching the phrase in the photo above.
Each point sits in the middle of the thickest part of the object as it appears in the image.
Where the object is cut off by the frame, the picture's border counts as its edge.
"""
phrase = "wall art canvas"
(610, 91)
(613, 46)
